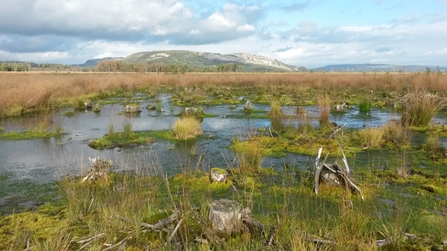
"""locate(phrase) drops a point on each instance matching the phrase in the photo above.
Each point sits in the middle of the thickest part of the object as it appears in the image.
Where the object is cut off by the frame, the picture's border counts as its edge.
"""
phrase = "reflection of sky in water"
(44, 160)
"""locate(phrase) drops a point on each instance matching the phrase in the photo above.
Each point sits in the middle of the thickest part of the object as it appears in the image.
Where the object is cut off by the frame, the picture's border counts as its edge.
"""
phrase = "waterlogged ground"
(29, 168)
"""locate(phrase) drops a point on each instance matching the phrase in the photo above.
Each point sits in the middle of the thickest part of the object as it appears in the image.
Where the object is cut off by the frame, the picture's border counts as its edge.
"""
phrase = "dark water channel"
(26, 163)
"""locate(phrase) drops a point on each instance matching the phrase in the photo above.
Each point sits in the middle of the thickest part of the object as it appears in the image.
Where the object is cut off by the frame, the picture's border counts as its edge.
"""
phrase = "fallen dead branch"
(334, 174)
(99, 170)
(337, 129)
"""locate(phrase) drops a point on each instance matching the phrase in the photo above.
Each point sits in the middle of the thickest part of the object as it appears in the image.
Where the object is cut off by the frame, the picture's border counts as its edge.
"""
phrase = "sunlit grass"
(187, 128)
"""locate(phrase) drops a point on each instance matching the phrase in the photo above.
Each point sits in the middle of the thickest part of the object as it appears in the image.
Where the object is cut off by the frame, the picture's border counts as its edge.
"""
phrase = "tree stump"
(225, 216)
(133, 108)
(218, 175)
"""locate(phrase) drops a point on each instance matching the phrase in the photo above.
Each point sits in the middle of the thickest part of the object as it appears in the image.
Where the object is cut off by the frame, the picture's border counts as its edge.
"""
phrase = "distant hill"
(248, 61)
(378, 68)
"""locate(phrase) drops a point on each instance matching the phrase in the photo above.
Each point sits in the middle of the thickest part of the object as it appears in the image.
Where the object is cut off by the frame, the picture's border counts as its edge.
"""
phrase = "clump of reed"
(365, 105)
(187, 128)
(250, 159)
(26, 92)
(398, 134)
(324, 109)
(420, 106)
(111, 129)
(372, 137)
(127, 127)
(276, 117)
(434, 147)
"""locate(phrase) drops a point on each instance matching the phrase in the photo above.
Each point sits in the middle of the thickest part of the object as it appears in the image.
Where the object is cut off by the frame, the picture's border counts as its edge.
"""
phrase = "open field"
(393, 138)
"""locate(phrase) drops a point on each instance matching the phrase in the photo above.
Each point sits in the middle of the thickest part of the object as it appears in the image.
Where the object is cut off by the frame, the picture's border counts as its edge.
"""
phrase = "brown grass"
(372, 137)
(25, 92)
(324, 109)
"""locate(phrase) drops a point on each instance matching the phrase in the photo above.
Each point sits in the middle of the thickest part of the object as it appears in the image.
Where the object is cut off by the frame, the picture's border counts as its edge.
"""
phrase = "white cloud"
(291, 53)
(245, 27)
(35, 57)
(217, 21)
(102, 16)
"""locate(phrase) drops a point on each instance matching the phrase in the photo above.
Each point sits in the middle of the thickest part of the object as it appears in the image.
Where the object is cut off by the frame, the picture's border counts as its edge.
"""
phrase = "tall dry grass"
(24, 92)
(187, 128)
(276, 117)
(372, 137)
(324, 109)
(419, 106)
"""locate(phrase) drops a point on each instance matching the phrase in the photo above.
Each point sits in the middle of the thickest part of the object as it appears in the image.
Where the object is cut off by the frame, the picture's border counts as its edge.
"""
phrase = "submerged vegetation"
(400, 166)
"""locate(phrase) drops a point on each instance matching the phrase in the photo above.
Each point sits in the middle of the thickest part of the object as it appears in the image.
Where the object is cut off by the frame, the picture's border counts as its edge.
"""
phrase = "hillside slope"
(202, 59)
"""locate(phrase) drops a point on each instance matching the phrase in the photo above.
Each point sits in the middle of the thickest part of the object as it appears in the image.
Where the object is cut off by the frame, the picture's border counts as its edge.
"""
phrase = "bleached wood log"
(334, 174)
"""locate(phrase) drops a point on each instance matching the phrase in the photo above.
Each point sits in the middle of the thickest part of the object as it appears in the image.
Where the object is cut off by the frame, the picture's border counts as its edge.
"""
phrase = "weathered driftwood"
(337, 129)
(166, 221)
(333, 174)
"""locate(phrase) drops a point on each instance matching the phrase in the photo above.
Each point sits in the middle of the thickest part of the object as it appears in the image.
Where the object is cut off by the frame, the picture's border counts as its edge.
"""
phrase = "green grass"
(26, 135)
(283, 202)
(122, 140)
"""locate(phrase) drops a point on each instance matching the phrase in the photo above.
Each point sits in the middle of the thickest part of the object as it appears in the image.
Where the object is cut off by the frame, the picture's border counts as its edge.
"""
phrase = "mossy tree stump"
(133, 108)
(218, 175)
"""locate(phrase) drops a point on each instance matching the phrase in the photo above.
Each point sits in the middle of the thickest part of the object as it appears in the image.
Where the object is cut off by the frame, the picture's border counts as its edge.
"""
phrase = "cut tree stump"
(218, 175)
(225, 216)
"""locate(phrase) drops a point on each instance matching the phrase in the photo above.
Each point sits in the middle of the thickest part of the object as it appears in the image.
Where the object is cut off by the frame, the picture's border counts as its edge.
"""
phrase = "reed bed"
(25, 92)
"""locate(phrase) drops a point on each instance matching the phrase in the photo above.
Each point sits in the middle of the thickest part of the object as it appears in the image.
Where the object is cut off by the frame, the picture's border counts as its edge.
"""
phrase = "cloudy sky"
(308, 33)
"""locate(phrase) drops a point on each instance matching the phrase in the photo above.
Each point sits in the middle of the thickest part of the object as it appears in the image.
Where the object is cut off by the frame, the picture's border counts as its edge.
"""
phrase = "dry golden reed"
(187, 128)
(25, 92)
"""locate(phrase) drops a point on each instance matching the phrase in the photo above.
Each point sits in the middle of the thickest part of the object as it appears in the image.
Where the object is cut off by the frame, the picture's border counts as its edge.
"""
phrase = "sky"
(309, 33)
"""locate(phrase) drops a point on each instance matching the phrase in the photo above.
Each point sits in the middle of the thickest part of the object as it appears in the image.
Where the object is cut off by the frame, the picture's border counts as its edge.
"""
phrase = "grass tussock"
(276, 117)
(397, 134)
(434, 148)
(372, 137)
(324, 109)
(420, 106)
(187, 128)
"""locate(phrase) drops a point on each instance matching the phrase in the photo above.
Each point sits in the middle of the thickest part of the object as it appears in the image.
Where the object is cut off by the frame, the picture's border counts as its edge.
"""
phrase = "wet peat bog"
(30, 169)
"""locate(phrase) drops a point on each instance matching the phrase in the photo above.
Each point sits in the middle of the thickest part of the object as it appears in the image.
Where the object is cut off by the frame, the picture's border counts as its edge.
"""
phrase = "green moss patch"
(27, 135)
(122, 140)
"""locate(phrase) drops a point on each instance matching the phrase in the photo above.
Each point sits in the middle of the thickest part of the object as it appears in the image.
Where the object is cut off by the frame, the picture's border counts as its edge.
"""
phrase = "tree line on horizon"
(120, 66)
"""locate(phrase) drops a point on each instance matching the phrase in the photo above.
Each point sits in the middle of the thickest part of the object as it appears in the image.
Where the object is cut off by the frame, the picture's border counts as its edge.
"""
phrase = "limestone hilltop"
(249, 61)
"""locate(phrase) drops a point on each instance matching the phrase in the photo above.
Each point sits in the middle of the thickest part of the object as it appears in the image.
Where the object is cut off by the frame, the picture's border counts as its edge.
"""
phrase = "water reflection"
(44, 160)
